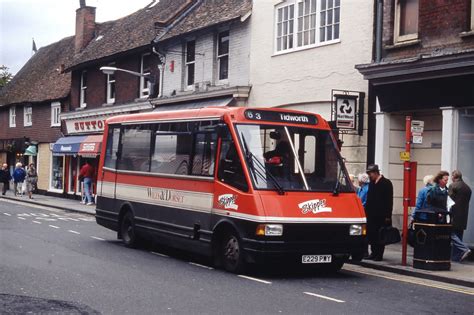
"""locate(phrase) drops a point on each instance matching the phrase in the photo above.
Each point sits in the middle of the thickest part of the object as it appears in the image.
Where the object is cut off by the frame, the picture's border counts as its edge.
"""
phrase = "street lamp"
(149, 77)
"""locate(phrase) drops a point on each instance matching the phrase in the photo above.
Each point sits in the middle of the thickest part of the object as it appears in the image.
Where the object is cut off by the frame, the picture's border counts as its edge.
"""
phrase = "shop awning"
(91, 146)
(68, 145)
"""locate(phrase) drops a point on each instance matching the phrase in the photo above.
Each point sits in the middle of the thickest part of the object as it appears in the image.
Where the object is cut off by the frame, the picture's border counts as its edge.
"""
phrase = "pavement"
(56, 261)
(460, 273)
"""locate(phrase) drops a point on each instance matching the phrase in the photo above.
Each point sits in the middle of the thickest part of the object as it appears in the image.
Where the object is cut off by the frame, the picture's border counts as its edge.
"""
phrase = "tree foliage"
(5, 76)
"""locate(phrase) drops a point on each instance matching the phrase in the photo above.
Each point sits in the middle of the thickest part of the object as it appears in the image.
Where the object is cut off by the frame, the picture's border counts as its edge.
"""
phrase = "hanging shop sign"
(348, 111)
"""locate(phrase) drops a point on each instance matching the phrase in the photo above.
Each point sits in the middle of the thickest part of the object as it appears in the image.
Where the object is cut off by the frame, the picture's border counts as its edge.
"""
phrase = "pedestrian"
(87, 174)
(437, 196)
(31, 180)
(421, 202)
(5, 178)
(19, 175)
(363, 187)
(379, 209)
(461, 193)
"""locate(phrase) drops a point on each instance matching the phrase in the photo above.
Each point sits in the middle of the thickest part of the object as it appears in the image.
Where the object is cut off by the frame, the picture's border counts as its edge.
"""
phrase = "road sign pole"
(406, 190)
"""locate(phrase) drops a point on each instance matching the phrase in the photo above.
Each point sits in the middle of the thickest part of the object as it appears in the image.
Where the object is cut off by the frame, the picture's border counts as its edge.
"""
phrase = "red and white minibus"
(241, 185)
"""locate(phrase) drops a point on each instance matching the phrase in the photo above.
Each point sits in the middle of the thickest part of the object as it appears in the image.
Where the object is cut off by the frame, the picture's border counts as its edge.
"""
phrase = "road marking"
(23, 215)
(159, 254)
(36, 222)
(325, 297)
(202, 266)
(254, 279)
(411, 280)
(8, 214)
(54, 226)
(21, 218)
(68, 219)
(75, 232)
(98, 238)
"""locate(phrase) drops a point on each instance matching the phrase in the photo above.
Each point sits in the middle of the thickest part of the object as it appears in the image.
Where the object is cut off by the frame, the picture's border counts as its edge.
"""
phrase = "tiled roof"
(41, 79)
(130, 32)
(208, 13)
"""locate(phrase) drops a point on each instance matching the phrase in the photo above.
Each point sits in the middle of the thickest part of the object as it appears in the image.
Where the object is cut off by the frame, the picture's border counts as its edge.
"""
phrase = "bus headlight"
(357, 230)
(269, 230)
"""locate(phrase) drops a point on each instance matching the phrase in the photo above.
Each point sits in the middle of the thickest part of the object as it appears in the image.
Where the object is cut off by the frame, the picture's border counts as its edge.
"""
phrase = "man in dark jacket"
(379, 209)
(5, 178)
(460, 192)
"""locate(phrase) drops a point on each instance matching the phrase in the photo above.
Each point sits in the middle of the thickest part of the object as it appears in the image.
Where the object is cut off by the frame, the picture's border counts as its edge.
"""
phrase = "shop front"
(69, 155)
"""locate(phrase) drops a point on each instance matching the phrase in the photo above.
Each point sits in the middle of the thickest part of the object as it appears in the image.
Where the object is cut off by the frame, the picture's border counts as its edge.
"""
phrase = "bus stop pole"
(406, 189)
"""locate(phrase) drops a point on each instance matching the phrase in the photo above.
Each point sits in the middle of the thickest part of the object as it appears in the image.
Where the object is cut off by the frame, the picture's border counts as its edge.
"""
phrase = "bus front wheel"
(127, 230)
(231, 253)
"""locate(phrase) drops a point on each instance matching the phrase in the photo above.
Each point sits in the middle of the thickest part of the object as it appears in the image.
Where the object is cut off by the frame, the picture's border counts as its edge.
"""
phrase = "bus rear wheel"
(127, 230)
(231, 253)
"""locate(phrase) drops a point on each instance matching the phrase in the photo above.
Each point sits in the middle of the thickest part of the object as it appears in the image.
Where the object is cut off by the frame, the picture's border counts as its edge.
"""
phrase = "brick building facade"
(424, 67)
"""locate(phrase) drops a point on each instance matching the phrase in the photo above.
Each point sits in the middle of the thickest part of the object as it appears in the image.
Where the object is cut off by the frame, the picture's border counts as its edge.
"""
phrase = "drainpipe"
(378, 31)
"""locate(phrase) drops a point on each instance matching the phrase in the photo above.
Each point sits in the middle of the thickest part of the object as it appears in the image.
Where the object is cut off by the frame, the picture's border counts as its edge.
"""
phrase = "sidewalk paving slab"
(460, 273)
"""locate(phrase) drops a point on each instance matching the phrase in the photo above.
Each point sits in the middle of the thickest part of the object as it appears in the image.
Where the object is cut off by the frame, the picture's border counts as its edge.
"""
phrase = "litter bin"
(432, 250)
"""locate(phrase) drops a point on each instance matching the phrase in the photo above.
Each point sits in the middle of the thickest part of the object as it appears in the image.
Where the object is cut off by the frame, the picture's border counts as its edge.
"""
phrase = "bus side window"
(136, 141)
(230, 167)
(204, 154)
(113, 138)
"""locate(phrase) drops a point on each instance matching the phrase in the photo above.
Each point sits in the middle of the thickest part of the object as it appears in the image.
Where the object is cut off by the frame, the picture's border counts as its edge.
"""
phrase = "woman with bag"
(31, 180)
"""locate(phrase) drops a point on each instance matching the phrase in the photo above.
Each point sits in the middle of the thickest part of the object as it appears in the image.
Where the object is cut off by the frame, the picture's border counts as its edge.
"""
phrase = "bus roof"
(236, 114)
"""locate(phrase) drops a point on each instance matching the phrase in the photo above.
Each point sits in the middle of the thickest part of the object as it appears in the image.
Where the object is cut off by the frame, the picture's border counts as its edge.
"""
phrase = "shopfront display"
(57, 173)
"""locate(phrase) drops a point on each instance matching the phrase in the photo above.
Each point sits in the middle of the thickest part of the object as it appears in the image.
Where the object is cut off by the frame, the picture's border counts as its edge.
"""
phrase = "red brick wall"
(126, 85)
(439, 28)
(40, 130)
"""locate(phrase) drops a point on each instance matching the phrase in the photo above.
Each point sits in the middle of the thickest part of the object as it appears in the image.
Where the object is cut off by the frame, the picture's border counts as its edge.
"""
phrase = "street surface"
(55, 261)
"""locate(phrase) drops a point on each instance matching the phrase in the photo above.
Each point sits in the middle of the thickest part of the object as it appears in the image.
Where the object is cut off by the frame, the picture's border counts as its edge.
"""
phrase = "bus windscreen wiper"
(251, 159)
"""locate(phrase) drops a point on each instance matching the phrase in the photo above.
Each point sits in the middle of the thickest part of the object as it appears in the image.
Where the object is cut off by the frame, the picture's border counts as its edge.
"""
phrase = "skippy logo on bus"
(165, 195)
(228, 201)
(314, 206)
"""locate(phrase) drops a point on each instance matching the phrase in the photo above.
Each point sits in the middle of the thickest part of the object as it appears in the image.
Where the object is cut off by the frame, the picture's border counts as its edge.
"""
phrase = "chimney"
(85, 26)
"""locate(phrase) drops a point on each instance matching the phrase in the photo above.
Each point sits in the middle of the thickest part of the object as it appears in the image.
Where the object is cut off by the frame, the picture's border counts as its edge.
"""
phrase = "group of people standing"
(21, 177)
(376, 194)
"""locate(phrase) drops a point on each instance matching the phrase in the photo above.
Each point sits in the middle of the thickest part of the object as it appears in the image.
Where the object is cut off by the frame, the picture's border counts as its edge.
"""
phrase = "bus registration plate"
(316, 259)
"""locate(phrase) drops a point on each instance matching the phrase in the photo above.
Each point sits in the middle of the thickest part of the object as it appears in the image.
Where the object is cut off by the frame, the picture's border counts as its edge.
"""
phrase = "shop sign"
(87, 125)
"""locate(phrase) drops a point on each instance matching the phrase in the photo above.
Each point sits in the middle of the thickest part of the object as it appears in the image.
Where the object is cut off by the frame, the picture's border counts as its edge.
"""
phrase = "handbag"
(389, 235)
(411, 235)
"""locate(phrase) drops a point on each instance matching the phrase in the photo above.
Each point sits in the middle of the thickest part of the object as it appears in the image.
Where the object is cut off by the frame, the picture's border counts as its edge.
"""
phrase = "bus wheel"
(127, 230)
(231, 253)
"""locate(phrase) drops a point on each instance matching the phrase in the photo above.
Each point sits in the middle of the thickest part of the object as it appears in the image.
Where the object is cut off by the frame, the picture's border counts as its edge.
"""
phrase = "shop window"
(55, 112)
(27, 116)
(406, 20)
(136, 141)
(223, 55)
(145, 68)
(190, 61)
(83, 90)
(113, 140)
(57, 166)
(230, 166)
(12, 116)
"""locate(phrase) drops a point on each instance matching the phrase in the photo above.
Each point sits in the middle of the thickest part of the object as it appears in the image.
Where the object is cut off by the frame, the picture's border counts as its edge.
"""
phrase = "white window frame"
(219, 57)
(27, 115)
(403, 38)
(83, 90)
(12, 117)
(472, 15)
(317, 28)
(144, 84)
(188, 63)
(55, 112)
(109, 98)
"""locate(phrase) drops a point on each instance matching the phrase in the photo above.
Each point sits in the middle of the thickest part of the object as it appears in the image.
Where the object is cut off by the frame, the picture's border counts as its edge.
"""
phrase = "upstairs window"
(83, 90)
(406, 20)
(27, 116)
(12, 116)
(55, 111)
(190, 62)
(111, 87)
(472, 15)
(145, 69)
(223, 55)
(306, 23)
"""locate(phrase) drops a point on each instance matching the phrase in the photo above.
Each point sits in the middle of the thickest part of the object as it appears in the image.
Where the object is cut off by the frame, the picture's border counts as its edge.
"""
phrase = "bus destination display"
(281, 117)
